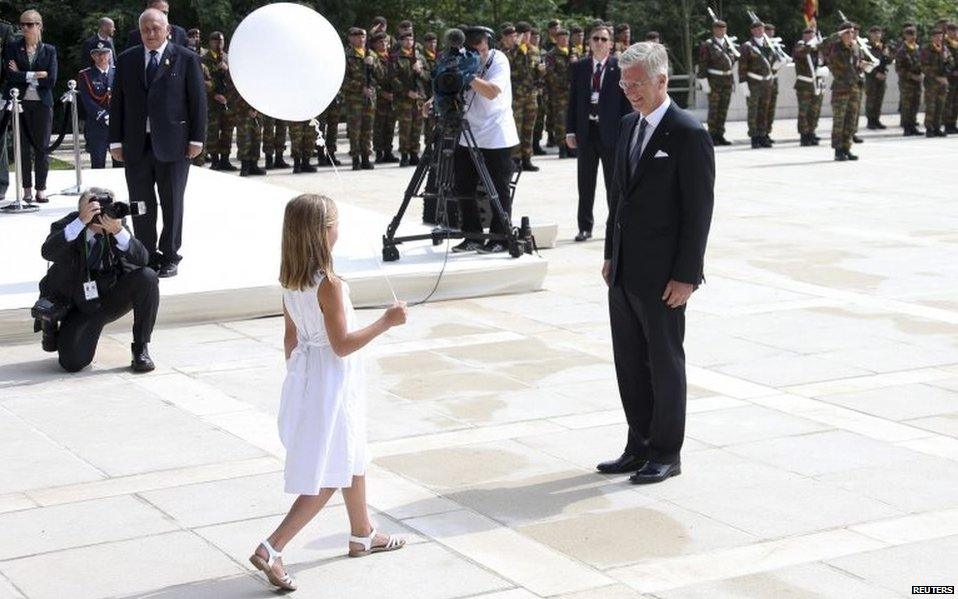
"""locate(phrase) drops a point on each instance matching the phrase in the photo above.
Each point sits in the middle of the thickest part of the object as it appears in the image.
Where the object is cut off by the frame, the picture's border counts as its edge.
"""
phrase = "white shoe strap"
(366, 542)
(272, 553)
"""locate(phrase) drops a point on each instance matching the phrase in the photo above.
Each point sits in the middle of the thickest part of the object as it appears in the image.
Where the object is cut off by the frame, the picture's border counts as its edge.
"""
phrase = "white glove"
(776, 66)
(744, 87)
(704, 85)
(822, 72)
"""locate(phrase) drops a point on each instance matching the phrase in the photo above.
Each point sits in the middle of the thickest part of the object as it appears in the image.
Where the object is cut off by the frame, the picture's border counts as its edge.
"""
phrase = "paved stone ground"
(821, 457)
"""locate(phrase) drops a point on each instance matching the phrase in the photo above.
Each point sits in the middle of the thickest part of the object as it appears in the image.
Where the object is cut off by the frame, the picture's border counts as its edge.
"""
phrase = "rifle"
(774, 43)
(864, 47)
(730, 41)
(369, 79)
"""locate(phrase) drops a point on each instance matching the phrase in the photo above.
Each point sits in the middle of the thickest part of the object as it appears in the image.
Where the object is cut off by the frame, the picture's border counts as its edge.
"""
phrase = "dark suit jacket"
(177, 36)
(46, 60)
(612, 102)
(175, 102)
(659, 220)
(66, 275)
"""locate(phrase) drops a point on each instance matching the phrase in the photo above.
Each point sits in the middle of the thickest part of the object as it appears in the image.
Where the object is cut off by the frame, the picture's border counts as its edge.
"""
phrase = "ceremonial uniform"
(951, 102)
(523, 63)
(410, 78)
(360, 109)
(384, 122)
(809, 89)
(302, 142)
(221, 120)
(875, 85)
(558, 63)
(755, 72)
(429, 65)
(716, 63)
(249, 136)
(843, 62)
(908, 67)
(935, 63)
(94, 87)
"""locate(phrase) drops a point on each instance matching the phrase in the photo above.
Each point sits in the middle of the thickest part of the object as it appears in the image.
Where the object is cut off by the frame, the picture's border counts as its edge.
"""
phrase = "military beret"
(910, 30)
(379, 20)
(377, 37)
(100, 47)
(845, 26)
(553, 23)
(622, 27)
(937, 31)
(523, 27)
(875, 29)
(769, 26)
(756, 24)
(193, 31)
(719, 23)
(652, 36)
(405, 24)
(356, 31)
(576, 29)
(561, 31)
(404, 35)
(429, 37)
(216, 35)
(507, 29)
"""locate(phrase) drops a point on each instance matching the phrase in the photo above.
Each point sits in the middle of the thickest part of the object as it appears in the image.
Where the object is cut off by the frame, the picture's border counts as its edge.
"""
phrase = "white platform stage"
(231, 241)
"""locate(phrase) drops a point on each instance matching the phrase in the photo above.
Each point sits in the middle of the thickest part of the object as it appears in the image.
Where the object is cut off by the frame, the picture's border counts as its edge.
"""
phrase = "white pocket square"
(660, 154)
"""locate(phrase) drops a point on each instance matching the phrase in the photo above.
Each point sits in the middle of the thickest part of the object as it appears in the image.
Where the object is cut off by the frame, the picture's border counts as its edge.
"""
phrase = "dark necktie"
(153, 67)
(596, 86)
(635, 153)
(95, 252)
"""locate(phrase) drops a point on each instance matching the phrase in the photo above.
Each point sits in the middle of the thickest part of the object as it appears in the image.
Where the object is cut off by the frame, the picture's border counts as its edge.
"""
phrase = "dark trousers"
(500, 166)
(143, 180)
(647, 340)
(35, 126)
(98, 153)
(138, 291)
(590, 153)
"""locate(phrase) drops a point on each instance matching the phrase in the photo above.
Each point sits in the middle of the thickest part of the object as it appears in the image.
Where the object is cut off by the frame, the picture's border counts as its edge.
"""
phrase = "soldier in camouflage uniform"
(384, 121)
(623, 39)
(302, 142)
(908, 67)
(429, 64)
(777, 64)
(846, 65)
(577, 47)
(755, 80)
(274, 142)
(524, 63)
(541, 95)
(249, 137)
(408, 88)
(716, 79)
(549, 40)
(359, 98)
(557, 79)
(329, 125)
(204, 156)
(875, 81)
(951, 103)
(220, 122)
(935, 62)
(809, 86)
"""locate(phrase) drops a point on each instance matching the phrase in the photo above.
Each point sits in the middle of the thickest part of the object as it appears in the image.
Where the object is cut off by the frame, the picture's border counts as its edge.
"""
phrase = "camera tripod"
(438, 160)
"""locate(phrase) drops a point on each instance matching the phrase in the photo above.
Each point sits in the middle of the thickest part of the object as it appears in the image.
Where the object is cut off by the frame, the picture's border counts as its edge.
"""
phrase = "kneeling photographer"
(99, 273)
(489, 113)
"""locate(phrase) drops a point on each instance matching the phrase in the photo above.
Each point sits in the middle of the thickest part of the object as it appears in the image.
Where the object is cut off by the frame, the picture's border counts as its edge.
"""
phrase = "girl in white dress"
(322, 411)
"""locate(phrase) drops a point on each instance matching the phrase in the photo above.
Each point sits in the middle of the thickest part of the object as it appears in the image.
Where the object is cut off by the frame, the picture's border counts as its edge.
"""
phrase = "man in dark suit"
(659, 218)
(157, 125)
(102, 37)
(176, 34)
(596, 103)
(100, 270)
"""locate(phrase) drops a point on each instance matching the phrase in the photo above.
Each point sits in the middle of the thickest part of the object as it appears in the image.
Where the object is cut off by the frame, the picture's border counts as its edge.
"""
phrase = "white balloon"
(287, 61)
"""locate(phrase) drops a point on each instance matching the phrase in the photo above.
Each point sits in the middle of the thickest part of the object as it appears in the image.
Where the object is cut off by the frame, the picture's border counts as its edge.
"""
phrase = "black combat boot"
(952, 129)
(225, 164)
(297, 166)
(356, 163)
(769, 141)
(941, 133)
(279, 162)
(305, 166)
(840, 155)
(254, 169)
(379, 157)
(550, 140)
(244, 168)
(389, 157)
(403, 160)
(214, 162)
(850, 156)
(563, 151)
(756, 142)
(879, 124)
(805, 140)
(765, 141)
(872, 124)
(931, 133)
(413, 159)
(857, 139)
(334, 160)
(366, 164)
(528, 166)
(537, 149)
(269, 162)
(322, 159)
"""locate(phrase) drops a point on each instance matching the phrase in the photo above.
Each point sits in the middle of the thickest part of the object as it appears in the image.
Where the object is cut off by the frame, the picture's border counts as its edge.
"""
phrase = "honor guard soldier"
(94, 86)
(549, 42)
(908, 67)
(220, 123)
(716, 79)
(935, 65)
(359, 98)
(541, 96)
(846, 65)
(302, 143)
(429, 55)
(623, 39)
(777, 64)
(384, 121)
(524, 63)
(755, 76)
(810, 75)
(249, 137)
(409, 84)
(576, 42)
(951, 104)
(557, 79)
(876, 80)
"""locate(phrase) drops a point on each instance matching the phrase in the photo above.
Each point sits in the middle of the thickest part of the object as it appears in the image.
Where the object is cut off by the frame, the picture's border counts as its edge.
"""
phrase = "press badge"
(89, 291)
(595, 97)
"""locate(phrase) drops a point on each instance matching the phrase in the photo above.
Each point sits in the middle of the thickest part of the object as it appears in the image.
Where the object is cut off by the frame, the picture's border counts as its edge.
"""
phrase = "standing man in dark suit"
(596, 103)
(176, 34)
(102, 37)
(157, 125)
(659, 218)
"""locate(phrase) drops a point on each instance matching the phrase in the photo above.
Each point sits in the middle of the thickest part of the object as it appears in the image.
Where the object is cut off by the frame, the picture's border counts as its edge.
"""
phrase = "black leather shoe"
(653, 472)
(621, 465)
(141, 358)
(769, 141)
(880, 125)
(168, 270)
(583, 235)
(756, 142)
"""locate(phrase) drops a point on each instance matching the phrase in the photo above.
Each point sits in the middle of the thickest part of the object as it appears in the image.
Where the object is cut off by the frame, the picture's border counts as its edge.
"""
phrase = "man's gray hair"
(154, 15)
(650, 55)
(94, 192)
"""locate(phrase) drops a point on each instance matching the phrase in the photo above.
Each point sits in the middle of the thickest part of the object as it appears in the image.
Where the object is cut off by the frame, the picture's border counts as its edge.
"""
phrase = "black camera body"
(118, 210)
(454, 71)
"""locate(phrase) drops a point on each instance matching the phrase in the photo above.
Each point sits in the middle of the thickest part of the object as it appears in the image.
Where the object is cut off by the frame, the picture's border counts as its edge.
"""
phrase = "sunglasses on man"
(596, 38)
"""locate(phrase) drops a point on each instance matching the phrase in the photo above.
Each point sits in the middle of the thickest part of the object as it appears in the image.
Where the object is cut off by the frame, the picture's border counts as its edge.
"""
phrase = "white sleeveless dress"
(322, 414)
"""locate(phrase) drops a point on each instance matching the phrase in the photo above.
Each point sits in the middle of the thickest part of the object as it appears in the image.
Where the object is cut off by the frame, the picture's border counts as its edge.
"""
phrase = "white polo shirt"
(491, 121)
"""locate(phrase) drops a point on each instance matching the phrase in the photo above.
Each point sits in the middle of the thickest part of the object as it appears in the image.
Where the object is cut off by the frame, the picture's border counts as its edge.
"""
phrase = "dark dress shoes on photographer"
(168, 270)
(621, 465)
(141, 358)
(583, 235)
(654, 472)
(467, 245)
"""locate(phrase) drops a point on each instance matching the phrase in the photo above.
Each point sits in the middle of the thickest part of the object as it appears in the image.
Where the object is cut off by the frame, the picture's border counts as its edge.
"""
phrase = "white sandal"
(266, 565)
(393, 543)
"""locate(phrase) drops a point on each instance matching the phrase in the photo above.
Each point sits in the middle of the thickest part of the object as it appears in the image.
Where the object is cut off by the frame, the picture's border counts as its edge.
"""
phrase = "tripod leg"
(411, 190)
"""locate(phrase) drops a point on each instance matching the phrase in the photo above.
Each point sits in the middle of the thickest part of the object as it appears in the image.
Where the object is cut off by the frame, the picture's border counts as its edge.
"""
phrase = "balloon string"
(342, 190)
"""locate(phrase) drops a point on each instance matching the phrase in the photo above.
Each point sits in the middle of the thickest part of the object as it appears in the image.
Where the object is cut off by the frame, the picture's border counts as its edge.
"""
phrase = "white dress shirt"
(652, 121)
(72, 231)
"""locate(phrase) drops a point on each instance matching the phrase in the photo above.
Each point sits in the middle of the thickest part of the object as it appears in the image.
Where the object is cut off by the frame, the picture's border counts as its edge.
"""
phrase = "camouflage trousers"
(951, 103)
(910, 101)
(772, 103)
(809, 109)
(274, 135)
(846, 104)
(409, 116)
(360, 113)
(935, 95)
(524, 109)
(720, 94)
(249, 137)
(759, 102)
(874, 96)
(549, 119)
(540, 119)
(384, 125)
(302, 139)
(219, 129)
(329, 125)
(558, 104)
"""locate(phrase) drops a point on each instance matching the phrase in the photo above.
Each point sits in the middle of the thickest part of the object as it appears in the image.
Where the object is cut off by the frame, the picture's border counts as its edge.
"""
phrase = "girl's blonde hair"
(306, 250)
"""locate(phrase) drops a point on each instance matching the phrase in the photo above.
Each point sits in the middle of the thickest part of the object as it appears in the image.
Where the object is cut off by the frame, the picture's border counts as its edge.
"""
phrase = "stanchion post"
(71, 97)
(18, 206)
